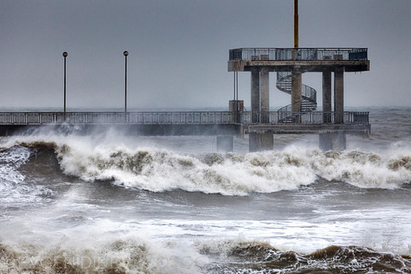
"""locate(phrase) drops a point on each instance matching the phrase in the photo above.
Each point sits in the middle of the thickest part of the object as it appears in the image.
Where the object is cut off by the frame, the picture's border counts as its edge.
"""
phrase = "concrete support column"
(339, 95)
(265, 95)
(333, 141)
(255, 94)
(296, 97)
(327, 96)
(225, 143)
(261, 141)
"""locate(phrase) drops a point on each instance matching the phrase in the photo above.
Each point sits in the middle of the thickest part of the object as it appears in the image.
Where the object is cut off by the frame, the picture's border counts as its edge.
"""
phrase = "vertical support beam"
(255, 95)
(260, 141)
(265, 95)
(234, 73)
(236, 85)
(296, 97)
(339, 95)
(327, 96)
(236, 108)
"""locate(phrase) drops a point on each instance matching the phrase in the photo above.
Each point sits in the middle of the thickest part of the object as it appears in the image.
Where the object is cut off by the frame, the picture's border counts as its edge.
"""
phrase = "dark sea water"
(109, 203)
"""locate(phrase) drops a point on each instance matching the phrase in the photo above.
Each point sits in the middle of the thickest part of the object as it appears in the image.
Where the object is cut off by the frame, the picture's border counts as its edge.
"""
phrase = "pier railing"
(177, 118)
(304, 54)
(309, 118)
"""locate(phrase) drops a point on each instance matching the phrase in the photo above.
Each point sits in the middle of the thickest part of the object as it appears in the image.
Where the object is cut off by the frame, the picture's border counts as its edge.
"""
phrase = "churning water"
(108, 203)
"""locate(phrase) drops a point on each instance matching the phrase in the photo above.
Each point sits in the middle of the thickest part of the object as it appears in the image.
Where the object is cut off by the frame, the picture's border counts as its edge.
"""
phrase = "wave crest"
(231, 174)
(157, 170)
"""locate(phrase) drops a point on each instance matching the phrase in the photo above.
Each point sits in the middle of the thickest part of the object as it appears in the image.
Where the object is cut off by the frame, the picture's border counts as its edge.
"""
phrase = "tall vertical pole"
(236, 73)
(125, 53)
(295, 23)
(65, 81)
(234, 84)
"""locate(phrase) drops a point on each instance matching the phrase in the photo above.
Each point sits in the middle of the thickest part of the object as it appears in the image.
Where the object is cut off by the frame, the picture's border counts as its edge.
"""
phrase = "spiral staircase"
(309, 98)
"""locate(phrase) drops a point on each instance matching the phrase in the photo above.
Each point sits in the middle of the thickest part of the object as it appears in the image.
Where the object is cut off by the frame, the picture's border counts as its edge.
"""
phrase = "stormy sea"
(108, 203)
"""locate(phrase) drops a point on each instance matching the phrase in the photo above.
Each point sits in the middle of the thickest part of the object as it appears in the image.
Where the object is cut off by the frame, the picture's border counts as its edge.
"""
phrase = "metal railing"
(308, 94)
(45, 118)
(309, 118)
(175, 118)
(305, 54)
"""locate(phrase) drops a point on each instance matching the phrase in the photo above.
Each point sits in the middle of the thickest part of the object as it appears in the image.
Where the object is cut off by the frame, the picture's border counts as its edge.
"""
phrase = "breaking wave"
(133, 255)
(158, 170)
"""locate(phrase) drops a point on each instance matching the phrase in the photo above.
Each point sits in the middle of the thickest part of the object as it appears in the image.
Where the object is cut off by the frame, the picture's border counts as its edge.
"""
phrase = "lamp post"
(65, 81)
(125, 53)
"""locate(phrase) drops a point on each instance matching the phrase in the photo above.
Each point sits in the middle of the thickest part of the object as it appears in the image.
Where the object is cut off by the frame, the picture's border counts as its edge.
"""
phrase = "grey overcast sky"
(179, 50)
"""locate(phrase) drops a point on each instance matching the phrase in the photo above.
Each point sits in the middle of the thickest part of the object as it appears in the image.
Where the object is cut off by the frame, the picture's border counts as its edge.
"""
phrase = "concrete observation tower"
(300, 116)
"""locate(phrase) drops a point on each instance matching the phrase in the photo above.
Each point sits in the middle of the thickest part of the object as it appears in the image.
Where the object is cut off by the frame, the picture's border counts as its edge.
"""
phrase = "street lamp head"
(65, 54)
(125, 53)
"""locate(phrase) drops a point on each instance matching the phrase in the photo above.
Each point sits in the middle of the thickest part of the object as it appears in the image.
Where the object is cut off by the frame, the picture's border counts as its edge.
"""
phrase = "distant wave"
(157, 170)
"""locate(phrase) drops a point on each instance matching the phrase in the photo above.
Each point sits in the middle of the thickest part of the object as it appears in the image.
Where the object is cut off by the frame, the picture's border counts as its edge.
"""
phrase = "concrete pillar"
(265, 95)
(225, 143)
(255, 94)
(296, 97)
(236, 108)
(339, 95)
(327, 96)
(261, 141)
(333, 141)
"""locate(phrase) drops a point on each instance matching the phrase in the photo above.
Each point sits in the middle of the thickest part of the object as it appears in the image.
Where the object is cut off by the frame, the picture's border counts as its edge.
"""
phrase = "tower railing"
(289, 54)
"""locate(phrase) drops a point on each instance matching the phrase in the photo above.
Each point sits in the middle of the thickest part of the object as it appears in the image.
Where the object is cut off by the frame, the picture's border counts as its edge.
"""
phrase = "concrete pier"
(333, 141)
(265, 95)
(255, 94)
(327, 95)
(339, 95)
(296, 96)
(236, 107)
(260, 95)
(290, 64)
(260, 141)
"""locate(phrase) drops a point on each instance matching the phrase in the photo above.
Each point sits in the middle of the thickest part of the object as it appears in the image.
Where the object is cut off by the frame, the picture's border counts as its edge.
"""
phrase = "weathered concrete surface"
(236, 107)
(265, 95)
(260, 141)
(137, 130)
(333, 141)
(255, 93)
(296, 97)
(339, 95)
(304, 65)
(354, 129)
(327, 95)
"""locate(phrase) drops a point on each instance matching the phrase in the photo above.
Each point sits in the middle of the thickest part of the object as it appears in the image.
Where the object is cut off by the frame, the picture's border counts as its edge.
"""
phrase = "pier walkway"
(332, 124)
(187, 122)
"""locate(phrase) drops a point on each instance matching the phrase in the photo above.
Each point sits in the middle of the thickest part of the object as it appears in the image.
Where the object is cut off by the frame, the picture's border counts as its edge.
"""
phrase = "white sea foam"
(13, 188)
(159, 170)
(155, 169)
(79, 252)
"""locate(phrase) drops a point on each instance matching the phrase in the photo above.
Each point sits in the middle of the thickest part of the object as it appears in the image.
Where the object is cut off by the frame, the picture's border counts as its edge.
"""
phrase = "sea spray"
(160, 169)
(127, 254)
